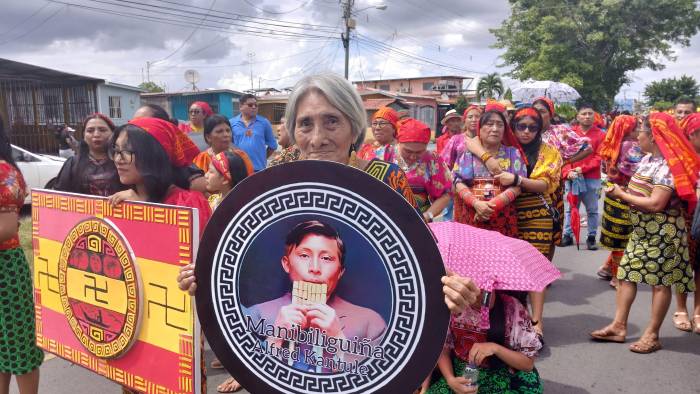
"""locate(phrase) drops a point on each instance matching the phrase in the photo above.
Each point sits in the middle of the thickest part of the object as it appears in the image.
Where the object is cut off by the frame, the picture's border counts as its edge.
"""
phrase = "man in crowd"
(683, 108)
(452, 123)
(586, 173)
(253, 133)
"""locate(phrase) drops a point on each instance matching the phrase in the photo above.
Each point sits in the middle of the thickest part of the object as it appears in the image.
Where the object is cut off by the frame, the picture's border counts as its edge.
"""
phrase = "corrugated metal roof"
(16, 71)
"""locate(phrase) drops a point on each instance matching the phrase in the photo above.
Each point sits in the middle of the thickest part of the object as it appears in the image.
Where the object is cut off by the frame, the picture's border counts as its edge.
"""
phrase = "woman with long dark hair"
(91, 171)
(19, 354)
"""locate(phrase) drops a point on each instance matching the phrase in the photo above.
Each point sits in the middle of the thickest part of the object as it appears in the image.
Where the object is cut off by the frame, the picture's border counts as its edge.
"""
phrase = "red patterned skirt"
(504, 221)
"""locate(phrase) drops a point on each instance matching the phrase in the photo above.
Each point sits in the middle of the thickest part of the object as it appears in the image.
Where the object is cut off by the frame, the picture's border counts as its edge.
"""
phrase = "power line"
(275, 12)
(188, 37)
(25, 20)
(35, 27)
(185, 23)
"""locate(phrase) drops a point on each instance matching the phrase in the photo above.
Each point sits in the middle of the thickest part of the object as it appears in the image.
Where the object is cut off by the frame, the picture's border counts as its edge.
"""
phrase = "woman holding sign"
(19, 354)
(326, 120)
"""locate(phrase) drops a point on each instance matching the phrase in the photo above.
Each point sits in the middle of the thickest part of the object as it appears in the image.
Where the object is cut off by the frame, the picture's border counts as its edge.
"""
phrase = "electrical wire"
(28, 32)
(188, 37)
(25, 20)
(277, 12)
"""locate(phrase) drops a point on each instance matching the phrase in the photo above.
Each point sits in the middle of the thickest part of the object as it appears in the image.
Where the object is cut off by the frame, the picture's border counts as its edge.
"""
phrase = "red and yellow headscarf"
(598, 120)
(178, 146)
(691, 123)
(619, 128)
(680, 155)
(550, 104)
(221, 163)
(388, 114)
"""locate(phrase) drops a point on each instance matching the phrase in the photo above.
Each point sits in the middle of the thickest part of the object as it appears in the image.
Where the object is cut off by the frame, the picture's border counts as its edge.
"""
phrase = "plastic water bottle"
(471, 372)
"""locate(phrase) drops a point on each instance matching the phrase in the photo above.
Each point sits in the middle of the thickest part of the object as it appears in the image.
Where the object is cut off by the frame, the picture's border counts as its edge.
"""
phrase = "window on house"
(278, 112)
(427, 86)
(384, 87)
(426, 114)
(236, 107)
(115, 107)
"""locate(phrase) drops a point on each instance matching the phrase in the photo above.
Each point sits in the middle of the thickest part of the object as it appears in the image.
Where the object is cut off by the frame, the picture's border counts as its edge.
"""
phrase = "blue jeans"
(589, 199)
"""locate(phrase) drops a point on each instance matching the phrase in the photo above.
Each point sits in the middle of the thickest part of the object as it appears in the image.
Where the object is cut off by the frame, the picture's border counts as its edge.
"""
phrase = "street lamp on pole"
(349, 25)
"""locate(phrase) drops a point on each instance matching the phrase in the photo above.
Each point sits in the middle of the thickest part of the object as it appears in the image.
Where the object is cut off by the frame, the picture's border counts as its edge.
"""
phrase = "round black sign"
(317, 277)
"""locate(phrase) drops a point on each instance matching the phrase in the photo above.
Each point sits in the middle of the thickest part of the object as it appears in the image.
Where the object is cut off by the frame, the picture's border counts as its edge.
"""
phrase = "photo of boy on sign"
(310, 327)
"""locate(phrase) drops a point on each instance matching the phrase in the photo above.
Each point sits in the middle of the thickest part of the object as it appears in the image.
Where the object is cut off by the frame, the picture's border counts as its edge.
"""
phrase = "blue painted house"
(222, 101)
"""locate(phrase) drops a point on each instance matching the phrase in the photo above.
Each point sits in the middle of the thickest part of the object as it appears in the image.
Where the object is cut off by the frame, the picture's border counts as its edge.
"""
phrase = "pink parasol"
(492, 260)
(575, 219)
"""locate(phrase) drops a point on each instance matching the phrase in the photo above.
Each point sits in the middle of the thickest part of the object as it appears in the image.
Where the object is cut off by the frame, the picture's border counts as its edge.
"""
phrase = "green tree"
(593, 44)
(508, 95)
(489, 86)
(671, 89)
(151, 87)
(461, 104)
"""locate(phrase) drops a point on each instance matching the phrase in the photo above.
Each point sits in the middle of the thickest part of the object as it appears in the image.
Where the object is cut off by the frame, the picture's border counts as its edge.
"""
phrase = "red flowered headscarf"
(180, 149)
(691, 123)
(204, 106)
(412, 130)
(598, 120)
(619, 128)
(680, 155)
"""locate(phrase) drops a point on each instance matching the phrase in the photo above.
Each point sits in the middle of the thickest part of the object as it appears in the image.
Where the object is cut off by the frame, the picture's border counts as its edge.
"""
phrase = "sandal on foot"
(229, 385)
(604, 273)
(682, 324)
(216, 364)
(645, 346)
(696, 330)
(607, 335)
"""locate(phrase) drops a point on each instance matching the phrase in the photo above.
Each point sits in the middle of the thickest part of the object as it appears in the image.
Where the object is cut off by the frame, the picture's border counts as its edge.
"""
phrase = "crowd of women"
(498, 170)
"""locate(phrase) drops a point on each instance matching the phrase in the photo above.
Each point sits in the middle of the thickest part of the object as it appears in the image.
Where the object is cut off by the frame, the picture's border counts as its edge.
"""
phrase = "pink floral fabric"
(565, 140)
(372, 150)
(520, 335)
(428, 177)
(453, 149)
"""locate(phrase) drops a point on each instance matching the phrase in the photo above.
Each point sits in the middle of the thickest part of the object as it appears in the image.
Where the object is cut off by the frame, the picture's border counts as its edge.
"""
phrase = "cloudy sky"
(279, 40)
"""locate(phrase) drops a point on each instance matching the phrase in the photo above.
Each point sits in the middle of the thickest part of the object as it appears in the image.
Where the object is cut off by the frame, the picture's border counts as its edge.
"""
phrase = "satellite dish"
(192, 76)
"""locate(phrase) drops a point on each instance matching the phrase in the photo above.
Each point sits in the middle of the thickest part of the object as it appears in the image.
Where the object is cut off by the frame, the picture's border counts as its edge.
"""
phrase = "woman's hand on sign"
(292, 315)
(324, 318)
(118, 197)
(186, 280)
(460, 292)
(461, 385)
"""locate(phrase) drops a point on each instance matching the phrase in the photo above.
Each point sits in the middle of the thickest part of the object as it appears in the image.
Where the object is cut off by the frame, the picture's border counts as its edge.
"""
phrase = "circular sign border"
(120, 345)
(436, 315)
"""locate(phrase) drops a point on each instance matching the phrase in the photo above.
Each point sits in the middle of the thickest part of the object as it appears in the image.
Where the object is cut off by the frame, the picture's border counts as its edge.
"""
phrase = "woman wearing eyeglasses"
(384, 129)
(151, 156)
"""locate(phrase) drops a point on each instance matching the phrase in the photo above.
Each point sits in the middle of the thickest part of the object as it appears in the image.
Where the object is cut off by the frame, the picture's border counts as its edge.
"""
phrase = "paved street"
(570, 363)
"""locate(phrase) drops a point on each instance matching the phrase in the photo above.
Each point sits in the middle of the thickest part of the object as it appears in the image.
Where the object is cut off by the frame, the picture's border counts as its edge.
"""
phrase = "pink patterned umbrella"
(492, 260)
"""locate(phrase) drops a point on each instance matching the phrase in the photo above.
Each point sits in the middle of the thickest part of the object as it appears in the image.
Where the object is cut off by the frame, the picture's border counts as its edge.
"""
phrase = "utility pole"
(148, 71)
(349, 25)
(251, 55)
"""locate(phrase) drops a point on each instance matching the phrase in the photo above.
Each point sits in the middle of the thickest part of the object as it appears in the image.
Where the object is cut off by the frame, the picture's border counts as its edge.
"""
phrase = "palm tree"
(489, 86)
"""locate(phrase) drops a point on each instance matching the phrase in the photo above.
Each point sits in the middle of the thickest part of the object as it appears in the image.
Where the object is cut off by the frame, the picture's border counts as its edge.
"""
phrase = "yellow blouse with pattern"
(548, 168)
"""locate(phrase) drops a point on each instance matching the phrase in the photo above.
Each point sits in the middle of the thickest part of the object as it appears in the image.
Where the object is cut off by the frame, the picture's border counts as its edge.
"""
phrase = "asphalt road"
(570, 363)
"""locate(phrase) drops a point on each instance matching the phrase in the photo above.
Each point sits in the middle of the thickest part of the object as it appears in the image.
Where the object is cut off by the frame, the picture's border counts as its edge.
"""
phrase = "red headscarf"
(598, 120)
(204, 106)
(471, 107)
(609, 149)
(508, 136)
(180, 148)
(550, 104)
(412, 130)
(388, 114)
(691, 123)
(680, 155)
(528, 111)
